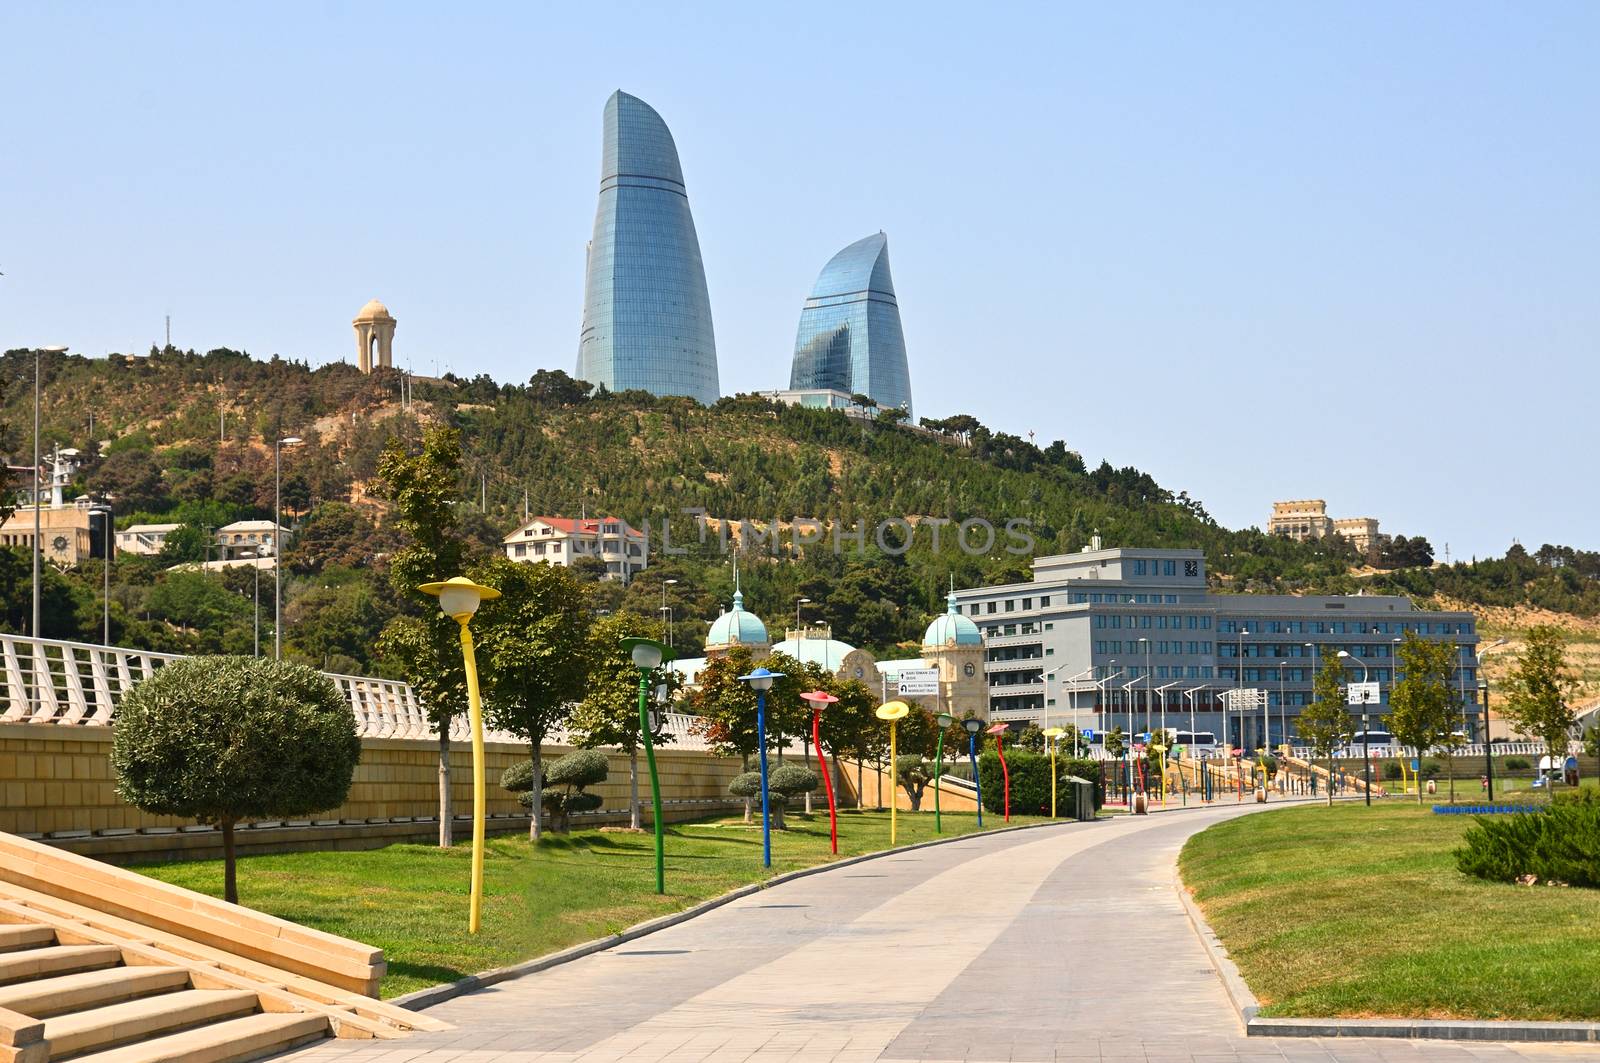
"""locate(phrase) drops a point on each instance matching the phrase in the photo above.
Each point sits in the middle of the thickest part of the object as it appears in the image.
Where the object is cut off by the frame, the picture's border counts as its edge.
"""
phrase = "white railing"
(79, 684)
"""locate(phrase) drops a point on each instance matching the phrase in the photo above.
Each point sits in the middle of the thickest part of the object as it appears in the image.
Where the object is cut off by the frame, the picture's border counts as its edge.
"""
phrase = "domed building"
(374, 327)
(954, 645)
(737, 627)
(816, 645)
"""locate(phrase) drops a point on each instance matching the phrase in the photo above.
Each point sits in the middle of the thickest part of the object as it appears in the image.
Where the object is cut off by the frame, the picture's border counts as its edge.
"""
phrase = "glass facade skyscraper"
(646, 314)
(850, 338)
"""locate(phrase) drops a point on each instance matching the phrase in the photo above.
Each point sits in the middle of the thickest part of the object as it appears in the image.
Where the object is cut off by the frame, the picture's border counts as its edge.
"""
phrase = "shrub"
(565, 781)
(791, 780)
(746, 785)
(225, 739)
(1558, 844)
(1030, 781)
(912, 773)
(1391, 771)
(1517, 764)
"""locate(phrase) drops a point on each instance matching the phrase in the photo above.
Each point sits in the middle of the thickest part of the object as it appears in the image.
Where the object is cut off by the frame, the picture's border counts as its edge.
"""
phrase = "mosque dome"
(737, 627)
(952, 629)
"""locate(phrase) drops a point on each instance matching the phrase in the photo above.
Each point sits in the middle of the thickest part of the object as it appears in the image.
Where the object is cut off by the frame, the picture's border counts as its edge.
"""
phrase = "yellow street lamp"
(459, 598)
(892, 711)
(1053, 733)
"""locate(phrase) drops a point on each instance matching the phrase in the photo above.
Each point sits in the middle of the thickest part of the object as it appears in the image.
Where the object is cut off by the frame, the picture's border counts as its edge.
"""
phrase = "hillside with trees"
(181, 437)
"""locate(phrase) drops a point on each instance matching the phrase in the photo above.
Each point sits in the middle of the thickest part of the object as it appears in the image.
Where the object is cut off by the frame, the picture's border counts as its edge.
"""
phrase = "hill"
(187, 437)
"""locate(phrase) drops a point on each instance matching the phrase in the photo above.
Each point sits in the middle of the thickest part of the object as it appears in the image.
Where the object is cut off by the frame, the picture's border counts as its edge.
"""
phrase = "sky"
(1261, 251)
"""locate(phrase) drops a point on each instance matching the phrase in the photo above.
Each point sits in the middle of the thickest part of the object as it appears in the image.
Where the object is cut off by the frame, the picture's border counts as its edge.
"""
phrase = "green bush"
(1558, 844)
(565, 780)
(1517, 764)
(1030, 782)
(792, 780)
(746, 784)
(1391, 771)
(225, 739)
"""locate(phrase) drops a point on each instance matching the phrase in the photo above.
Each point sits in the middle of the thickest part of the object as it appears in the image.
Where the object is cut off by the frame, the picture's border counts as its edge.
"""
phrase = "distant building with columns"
(374, 334)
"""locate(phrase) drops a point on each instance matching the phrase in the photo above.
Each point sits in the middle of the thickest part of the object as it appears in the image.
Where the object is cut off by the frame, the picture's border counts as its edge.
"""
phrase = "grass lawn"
(411, 900)
(1359, 912)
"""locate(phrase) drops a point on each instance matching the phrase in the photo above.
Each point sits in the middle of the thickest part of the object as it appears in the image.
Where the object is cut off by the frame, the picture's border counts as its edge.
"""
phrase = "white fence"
(77, 683)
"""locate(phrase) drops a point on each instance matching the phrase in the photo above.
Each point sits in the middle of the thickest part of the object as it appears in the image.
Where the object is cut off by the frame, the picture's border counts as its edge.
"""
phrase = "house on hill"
(563, 540)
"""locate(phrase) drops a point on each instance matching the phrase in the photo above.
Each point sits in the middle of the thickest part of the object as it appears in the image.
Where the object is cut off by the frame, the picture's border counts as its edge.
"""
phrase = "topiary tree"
(225, 739)
(565, 783)
(783, 782)
(746, 785)
(913, 773)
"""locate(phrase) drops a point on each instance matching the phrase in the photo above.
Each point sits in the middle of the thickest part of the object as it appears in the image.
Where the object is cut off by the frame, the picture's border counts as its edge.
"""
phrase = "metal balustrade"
(80, 684)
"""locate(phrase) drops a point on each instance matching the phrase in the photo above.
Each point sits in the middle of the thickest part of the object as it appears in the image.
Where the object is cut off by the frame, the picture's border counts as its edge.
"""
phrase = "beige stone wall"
(56, 779)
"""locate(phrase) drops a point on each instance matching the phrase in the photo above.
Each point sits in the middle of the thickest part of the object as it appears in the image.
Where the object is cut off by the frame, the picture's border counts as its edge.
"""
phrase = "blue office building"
(850, 338)
(646, 314)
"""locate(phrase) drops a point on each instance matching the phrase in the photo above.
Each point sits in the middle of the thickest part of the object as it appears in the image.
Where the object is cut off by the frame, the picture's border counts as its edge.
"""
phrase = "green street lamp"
(945, 720)
(648, 655)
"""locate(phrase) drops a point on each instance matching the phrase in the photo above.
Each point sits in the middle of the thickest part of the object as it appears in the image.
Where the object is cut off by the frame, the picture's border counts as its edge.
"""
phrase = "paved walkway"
(1063, 943)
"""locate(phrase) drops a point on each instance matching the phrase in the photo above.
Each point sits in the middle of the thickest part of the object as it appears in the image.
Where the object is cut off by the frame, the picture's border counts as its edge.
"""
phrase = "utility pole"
(483, 492)
(169, 330)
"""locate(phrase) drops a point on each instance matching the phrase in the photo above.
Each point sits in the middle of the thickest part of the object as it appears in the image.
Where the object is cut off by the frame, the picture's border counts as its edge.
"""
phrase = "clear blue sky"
(1260, 251)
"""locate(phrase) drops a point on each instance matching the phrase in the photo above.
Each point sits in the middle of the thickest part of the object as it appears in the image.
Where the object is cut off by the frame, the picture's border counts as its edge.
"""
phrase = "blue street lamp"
(760, 681)
(972, 725)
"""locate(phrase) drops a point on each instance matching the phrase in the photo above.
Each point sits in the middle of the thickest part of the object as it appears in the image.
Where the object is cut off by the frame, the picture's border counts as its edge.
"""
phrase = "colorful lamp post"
(459, 598)
(892, 711)
(648, 655)
(999, 730)
(760, 681)
(819, 700)
(1051, 734)
(972, 725)
(944, 720)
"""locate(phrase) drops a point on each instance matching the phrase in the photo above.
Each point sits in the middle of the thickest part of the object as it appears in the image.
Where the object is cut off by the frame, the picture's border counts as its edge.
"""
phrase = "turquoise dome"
(737, 627)
(952, 629)
(828, 653)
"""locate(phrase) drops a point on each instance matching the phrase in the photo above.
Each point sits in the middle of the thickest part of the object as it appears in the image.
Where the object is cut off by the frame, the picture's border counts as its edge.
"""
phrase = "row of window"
(1158, 647)
(1147, 622)
(1120, 598)
(1010, 606)
(1176, 671)
(1167, 567)
(1343, 627)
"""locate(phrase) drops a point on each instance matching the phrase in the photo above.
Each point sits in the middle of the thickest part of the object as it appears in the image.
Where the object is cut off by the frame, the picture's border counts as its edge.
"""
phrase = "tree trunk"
(1330, 780)
(1450, 766)
(230, 881)
(536, 817)
(777, 807)
(861, 788)
(446, 834)
(805, 741)
(749, 814)
(633, 789)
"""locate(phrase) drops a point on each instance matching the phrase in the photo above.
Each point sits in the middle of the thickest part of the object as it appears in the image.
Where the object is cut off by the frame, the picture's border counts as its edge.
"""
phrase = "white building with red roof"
(563, 540)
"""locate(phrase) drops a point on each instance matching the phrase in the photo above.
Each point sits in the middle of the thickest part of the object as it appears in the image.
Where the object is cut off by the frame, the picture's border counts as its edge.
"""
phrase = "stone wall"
(57, 784)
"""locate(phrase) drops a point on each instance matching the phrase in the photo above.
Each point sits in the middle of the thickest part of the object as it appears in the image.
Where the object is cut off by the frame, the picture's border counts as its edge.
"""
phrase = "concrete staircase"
(114, 982)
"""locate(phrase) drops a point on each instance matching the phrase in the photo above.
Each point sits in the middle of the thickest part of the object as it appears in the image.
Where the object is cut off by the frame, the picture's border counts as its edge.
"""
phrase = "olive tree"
(225, 739)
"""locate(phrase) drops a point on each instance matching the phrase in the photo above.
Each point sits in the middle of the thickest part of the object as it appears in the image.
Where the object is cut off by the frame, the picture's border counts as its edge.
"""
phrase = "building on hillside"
(374, 327)
(1308, 519)
(144, 539)
(814, 399)
(563, 540)
(1095, 632)
(69, 533)
(849, 338)
(646, 313)
(737, 627)
(250, 539)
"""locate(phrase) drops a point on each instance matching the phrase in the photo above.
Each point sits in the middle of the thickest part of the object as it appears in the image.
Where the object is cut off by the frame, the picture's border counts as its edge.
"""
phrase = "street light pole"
(277, 542)
(798, 602)
(1488, 736)
(1148, 679)
(1239, 686)
(1366, 730)
(666, 610)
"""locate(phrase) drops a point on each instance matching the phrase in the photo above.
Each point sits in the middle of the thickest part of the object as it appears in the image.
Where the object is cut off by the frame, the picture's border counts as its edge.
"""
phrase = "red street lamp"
(819, 700)
(999, 730)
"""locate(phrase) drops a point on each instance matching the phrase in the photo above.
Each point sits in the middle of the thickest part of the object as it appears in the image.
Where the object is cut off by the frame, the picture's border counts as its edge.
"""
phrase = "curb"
(1248, 1008)
(427, 998)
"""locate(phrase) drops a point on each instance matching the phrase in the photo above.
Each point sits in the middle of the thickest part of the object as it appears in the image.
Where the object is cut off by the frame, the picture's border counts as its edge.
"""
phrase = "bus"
(1196, 743)
(1379, 743)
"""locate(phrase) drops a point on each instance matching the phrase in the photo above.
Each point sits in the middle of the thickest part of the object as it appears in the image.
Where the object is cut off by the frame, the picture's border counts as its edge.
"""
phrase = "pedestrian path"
(1061, 943)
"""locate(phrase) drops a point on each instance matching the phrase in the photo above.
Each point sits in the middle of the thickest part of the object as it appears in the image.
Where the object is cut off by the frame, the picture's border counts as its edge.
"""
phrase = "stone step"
(233, 1041)
(43, 997)
(14, 936)
(137, 1020)
(55, 959)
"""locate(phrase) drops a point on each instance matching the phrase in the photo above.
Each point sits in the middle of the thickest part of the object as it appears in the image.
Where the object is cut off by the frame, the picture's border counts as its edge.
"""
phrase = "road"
(1061, 943)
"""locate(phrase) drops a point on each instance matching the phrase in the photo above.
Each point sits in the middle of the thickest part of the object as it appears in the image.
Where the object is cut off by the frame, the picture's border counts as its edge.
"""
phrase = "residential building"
(1308, 518)
(249, 539)
(849, 338)
(646, 314)
(1096, 634)
(563, 540)
(144, 539)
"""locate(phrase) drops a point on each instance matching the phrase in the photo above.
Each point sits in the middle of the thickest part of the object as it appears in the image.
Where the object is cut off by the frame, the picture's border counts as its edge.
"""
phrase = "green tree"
(534, 645)
(609, 712)
(423, 644)
(1421, 708)
(1116, 742)
(187, 543)
(1538, 688)
(224, 739)
(725, 706)
(1325, 724)
(912, 773)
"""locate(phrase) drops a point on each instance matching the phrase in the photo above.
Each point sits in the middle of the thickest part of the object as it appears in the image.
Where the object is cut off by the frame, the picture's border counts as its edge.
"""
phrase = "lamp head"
(761, 679)
(459, 596)
(893, 710)
(998, 728)
(1053, 733)
(289, 441)
(1343, 653)
(818, 699)
(972, 725)
(945, 719)
(647, 654)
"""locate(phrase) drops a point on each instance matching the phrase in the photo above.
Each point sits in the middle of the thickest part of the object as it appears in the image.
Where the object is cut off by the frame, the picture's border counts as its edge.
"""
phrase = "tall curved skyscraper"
(850, 337)
(646, 315)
